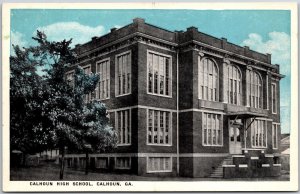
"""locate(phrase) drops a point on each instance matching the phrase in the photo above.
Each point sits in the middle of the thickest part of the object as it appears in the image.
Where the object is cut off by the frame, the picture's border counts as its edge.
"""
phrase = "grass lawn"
(50, 172)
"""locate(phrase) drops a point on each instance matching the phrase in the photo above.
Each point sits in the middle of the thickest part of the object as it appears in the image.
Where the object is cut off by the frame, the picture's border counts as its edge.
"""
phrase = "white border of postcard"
(24, 186)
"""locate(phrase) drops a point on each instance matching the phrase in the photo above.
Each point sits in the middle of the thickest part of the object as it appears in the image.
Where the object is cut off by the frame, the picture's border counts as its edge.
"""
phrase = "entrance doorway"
(235, 144)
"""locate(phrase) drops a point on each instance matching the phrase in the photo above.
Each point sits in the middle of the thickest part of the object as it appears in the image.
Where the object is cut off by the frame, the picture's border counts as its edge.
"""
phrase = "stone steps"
(218, 172)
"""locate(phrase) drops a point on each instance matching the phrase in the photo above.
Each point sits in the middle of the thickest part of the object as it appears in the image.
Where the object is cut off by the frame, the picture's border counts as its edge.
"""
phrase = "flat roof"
(245, 114)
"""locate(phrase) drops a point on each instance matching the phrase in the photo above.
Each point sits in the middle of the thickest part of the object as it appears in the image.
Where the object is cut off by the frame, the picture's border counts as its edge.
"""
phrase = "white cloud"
(278, 44)
(17, 38)
(66, 30)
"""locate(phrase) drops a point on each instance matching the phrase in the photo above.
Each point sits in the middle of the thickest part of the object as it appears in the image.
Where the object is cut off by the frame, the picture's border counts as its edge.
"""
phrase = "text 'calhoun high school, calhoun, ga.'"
(184, 103)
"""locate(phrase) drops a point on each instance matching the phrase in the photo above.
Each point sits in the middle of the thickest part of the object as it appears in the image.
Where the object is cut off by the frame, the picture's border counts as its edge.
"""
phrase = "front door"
(235, 145)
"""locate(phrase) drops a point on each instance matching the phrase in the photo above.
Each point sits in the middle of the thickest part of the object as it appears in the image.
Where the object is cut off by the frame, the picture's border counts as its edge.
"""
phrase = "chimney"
(113, 29)
(246, 50)
(223, 42)
(138, 20)
(94, 38)
(192, 29)
(268, 57)
(77, 45)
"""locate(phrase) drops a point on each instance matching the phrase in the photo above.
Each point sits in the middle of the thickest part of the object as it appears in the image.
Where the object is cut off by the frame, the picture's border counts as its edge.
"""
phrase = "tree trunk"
(86, 162)
(23, 159)
(51, 153)
(62, 164)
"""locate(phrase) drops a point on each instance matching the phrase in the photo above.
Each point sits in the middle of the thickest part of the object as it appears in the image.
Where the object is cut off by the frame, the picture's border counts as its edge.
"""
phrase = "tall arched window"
(254, 89)
(234, 89)
(208, 80)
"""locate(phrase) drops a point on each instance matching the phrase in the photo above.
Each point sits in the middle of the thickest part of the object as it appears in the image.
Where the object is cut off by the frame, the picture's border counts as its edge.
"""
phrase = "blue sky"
(262, 30)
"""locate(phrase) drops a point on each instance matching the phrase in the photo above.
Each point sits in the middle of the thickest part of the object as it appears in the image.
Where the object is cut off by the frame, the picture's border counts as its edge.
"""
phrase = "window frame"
(221, 129)
(250, 93)
(158, 125)
(256, 129)
(239, 96)
(73, 79)
(129, 132)
(200, 62)
(97, 96)
(122, 168)
(170, 74)
(275, 144)
(158, 171)
(129, 67)
(274, 97)
(106, 161)
(89, 94)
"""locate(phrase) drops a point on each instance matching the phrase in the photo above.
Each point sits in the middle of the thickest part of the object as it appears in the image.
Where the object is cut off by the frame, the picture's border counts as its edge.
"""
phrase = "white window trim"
(275, 87)
(158, 171)
(124, 168)
(221, 128)
(97, 62)
(85, 66)
(239, 96)
(171, 77)
(71, 72)
(266, 127)
(248, 92)
(89, 94)
(267, 92)
(273, 130)
(170, 129)
(200, 59)
(107, 161)
(116, 74)
(130, 125)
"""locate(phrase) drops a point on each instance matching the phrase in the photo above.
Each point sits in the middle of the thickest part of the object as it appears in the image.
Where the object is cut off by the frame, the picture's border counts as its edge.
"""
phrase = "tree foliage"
(46, 111)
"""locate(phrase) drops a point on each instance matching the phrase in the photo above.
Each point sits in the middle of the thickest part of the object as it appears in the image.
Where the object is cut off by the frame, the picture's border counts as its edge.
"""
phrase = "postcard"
(150, 97)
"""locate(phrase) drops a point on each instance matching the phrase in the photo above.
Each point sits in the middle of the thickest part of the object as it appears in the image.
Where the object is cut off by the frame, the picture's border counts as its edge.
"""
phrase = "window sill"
(120, 145)
(212, 145)
(256, 148)
(160, 95)
(123, 168)
(122, 95)
(98, 99)
(159, 171)
(165, 145)
(101, 168)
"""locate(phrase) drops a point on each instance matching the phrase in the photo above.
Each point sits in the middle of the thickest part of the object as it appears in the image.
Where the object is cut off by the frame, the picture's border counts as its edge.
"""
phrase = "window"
(82, 163)
(123, 163)
(274, 98)
(159, 74)
(70, 162)
(123, 125)
(212, 133)
(87, 70)
(123, 74)
(101, 163)
(159, 164)
(70, 78)
(254, 89)
(275, 128)
(259, 134)
(208, 80)
(103, 87)
(234, 89)
(159, 128)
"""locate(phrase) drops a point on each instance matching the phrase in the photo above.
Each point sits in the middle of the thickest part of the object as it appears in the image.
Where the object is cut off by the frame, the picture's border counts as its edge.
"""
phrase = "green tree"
(64, 119)
(25, 104)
